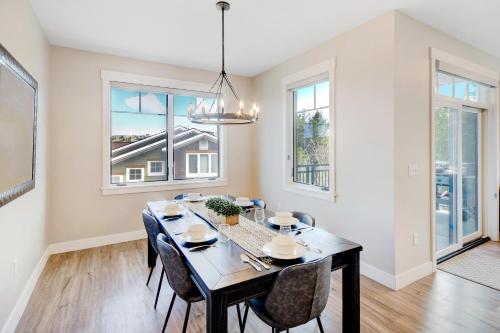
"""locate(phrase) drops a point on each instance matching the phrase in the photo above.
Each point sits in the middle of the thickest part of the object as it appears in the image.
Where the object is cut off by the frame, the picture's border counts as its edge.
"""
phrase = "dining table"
(224, 280)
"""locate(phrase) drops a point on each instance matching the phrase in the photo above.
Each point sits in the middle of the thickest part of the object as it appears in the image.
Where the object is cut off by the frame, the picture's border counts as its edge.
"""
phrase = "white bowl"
(193, 196)
(171, 209)
(197, 231)
(283, 244)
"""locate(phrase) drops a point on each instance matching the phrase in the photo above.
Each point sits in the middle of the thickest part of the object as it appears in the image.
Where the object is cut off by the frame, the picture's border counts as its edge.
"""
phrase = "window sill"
(162, 186)
(310, 192)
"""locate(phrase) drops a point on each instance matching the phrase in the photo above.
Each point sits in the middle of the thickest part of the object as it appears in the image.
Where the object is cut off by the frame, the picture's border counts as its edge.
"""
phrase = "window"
(156, 168)
(138, 132)
(195, 139)
(309, 132)
(449, 85)
(135, 175)
(201, 165)
(149, 136)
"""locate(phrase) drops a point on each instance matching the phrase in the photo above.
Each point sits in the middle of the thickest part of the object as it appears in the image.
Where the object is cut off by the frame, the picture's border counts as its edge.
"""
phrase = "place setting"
(244, 202)
(172, 211)
(193, 197)
(198, 236)
(286, 219)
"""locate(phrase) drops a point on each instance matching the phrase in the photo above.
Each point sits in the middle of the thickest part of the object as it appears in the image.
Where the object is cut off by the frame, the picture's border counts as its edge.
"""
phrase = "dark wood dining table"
(224, 280)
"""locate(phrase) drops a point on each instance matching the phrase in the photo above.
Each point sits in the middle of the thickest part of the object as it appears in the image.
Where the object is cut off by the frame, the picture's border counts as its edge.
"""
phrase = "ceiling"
(259, 34)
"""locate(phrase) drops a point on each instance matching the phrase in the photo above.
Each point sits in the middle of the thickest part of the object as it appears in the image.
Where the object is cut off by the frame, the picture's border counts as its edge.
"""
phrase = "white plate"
(244, 204)
(274, 220)
(210, 235)
(270, 250)
(179, 212)
(194, 200)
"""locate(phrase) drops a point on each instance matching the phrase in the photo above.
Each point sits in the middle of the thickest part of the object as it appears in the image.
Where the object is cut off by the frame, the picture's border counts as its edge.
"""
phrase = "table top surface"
(220, 267)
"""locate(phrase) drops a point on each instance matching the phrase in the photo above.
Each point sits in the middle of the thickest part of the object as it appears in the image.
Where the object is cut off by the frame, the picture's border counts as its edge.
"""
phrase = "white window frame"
(324, 70)
(155, 174)
(162, 85)
(200, 174)
(134, 180)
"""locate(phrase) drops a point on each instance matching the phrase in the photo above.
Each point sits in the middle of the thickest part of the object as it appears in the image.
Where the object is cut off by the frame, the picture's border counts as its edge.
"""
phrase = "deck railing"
(313, 174)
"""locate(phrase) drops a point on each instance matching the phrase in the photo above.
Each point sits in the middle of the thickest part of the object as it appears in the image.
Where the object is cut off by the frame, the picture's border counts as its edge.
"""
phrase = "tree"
(311, 138)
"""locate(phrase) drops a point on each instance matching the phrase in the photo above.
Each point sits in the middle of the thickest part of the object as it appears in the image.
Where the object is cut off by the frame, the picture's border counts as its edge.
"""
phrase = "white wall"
(412, 134)
(364, 209)
(77, 208)
(382, 125)
(23, 221)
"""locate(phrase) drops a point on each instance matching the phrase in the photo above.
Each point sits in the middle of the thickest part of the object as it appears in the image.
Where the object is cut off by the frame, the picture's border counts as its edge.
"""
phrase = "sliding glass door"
(457, 158)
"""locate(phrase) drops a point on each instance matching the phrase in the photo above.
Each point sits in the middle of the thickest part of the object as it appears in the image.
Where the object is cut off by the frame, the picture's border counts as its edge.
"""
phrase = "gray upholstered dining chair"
(179, 278)
(259, 203)
(152, 229)
(298, 295)
(305, 218)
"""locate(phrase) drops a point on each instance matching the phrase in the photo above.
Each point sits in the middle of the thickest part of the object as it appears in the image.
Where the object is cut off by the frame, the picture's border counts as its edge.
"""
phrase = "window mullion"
(170, 138)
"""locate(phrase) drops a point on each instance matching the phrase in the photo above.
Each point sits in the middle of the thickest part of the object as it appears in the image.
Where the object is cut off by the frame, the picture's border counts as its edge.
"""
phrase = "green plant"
(223, 207)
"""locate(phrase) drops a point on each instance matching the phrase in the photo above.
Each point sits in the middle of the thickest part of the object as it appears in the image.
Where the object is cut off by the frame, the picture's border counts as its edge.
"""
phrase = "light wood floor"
(103, 290)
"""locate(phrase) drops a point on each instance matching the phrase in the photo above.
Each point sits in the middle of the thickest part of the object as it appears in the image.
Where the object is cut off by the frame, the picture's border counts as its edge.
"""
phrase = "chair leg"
(186, 319)
(150, 273)
(240, 323)
(320, 325)
(159, 287)
(169, 310)
(245, 315)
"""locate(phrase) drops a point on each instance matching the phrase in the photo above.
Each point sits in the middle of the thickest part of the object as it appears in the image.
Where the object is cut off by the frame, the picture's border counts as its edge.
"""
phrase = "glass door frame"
(460, 238)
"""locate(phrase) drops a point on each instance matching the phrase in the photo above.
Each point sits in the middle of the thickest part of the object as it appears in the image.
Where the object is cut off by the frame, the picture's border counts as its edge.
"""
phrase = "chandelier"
(223, 106)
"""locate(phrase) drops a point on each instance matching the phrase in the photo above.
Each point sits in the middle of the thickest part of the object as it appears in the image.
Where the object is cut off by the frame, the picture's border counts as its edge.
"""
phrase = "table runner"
(248, 234)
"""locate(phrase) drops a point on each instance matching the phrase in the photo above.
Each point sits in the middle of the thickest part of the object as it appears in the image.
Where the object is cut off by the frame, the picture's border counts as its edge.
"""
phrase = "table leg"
(350, 295)
(216, 314)
(151, 255)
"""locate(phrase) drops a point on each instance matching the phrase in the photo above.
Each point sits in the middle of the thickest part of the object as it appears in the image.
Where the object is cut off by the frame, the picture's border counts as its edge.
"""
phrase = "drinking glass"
(224, 232)
(285, 230)
(259, 215)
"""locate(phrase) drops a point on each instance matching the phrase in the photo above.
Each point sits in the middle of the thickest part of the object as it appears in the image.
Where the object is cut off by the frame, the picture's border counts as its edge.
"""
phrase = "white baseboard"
(18, 310)
(88, 243)
(399, 281)
(378, 275)
(412, 275)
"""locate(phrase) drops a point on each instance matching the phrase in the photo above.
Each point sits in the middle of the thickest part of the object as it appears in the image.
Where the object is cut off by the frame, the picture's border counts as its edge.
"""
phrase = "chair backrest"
(179, 196)
(259, 203)
(152, 228)
(304, 218)
(178, 274)
(300, 293)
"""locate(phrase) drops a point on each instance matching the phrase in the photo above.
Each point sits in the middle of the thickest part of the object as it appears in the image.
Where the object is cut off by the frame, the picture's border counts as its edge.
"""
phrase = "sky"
(151, 118)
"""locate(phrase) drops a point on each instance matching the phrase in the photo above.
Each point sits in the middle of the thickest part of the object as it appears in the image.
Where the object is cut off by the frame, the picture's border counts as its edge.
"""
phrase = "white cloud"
(149, 103)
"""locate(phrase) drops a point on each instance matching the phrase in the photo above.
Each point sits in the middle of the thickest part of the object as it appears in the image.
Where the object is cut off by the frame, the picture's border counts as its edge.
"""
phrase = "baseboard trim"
(412, 275)
(88, 243)
(378, 275)
(396, 282)
(18, 310)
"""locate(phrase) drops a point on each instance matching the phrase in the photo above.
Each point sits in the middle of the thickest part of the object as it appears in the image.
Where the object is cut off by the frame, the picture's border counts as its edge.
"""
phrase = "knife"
(254, 258)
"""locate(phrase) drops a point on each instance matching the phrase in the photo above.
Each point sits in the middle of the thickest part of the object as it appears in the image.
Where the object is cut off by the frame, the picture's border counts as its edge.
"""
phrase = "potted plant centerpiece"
(225, 208)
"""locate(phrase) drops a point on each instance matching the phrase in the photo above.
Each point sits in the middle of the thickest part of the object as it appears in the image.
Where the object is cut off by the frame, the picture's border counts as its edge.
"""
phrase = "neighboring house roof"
(182, 137)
